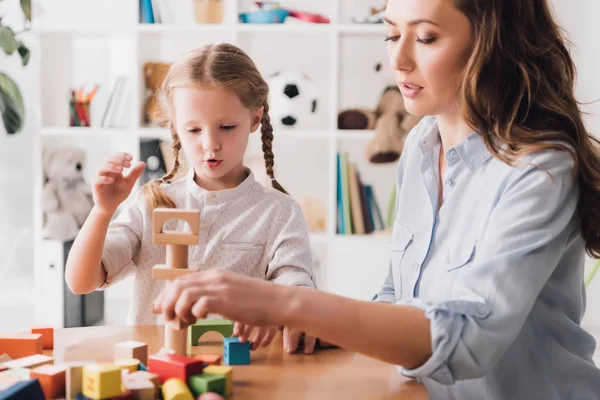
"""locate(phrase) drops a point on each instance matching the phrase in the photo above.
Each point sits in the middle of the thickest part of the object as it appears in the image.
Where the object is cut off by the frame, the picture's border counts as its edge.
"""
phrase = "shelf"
(84, 132)
(354, 134)
(170, 28)
(285, 28)
(362, 28)
(155, 133)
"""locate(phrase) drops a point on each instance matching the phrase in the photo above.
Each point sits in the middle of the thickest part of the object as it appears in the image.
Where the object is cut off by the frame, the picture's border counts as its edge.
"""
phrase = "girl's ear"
(257, 119)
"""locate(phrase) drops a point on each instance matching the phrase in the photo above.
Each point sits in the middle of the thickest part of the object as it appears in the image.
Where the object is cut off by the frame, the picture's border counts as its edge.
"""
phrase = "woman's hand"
(263, 336)
(292, 339)
(249, 301)
(112, 187)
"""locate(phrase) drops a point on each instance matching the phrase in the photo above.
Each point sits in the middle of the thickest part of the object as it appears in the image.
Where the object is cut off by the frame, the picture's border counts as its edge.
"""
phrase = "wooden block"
(162, 272)
(168, 366)
(101, 381)
(130, 364)
(21, 373)
(144, 376)
(162, 215)
(175, 238)
(52, 378)
(47, 332)
(142, 389)
(205, 383)
(74, 378)
(209, 359)
(30, 389)
(21, 345)
(222, 370)
(223, 326)
(176, 340)
(30, 361)
(4, 358)
(235, 352)
(132, 349)
(176, 389)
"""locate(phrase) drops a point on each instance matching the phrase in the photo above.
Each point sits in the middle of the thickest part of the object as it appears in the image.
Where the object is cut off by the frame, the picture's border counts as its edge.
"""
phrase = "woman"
(498, 200)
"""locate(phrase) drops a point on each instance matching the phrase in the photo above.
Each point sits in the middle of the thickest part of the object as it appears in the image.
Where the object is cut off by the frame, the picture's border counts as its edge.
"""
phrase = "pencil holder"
(79, 113)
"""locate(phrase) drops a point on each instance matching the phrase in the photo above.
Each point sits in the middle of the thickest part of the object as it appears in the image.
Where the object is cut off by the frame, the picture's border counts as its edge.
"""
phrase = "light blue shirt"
(498, 271)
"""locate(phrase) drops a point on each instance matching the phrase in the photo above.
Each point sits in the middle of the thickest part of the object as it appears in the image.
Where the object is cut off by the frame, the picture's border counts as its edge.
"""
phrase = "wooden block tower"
(176, 262)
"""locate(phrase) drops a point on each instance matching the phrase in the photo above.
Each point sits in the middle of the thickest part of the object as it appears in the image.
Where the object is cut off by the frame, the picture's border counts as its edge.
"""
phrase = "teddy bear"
(389, 119)
(66, 198)
(154, 74)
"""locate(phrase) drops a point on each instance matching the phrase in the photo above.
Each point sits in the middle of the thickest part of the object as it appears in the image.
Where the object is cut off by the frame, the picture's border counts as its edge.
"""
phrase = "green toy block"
(205, 383)
(223, 326)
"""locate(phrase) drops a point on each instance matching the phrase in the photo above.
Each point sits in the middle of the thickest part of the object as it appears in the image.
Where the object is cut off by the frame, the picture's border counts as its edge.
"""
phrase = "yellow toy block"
(225, 371)
(132, 349)
(176, 389)
(142, 389)
(101, 381)
(130, 364)
(29, 361)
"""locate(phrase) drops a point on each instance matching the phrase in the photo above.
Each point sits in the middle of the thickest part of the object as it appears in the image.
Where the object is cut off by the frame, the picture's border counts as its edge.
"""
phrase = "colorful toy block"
(29, 362)
(21, 373)
(142, 389)
(223, 326)
(222, 370)
(204, 383)
(52, 378)
(236, 352)
(209, 359)
(132, 349)
(29, 389)
(126, 395)
(74, 378)
(130, 364)
(176, 389)
(101, 381)
(47, 332)
(168, 366)
(21, 345)
(144, 376)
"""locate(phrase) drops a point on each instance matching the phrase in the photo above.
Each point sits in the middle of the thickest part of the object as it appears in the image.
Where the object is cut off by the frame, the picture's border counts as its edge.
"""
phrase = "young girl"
(215, 97)
(498, 201)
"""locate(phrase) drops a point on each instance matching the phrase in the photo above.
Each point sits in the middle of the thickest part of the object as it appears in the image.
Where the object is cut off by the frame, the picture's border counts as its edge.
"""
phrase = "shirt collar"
(472, 150)
(220, 195)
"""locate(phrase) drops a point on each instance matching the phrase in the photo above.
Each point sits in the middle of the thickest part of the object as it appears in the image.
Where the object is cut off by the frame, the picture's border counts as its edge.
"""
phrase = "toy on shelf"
(375, 17)
(273, 13)
(176, 261)
(293, 98)
(66, 197)
(154, 74)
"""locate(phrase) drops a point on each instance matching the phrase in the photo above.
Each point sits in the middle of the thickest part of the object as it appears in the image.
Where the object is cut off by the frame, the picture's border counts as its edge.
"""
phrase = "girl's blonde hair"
(222, 65)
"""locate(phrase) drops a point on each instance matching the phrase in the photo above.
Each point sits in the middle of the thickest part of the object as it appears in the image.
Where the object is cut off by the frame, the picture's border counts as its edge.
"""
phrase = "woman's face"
(429, 44)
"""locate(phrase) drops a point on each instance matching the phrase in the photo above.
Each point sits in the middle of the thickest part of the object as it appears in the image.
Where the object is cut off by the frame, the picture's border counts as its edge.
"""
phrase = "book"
(340, 195)
(369, 200)
(348, 228)
(364, 205)
(357, 218)
(146, 12)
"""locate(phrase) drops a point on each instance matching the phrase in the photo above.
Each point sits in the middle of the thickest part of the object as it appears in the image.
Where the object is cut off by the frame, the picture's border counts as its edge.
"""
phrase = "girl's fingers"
(246, 333)
(237, 328)
(293, 341)
(285, 334)
(171, 295)
(258, 338)
(269, 337)
(120, 158)
(309, 344)
(105, 180)
(183, 306)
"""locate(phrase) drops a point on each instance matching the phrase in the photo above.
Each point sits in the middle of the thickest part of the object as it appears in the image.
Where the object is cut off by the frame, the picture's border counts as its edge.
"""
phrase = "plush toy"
(66, 198)
(154, 73)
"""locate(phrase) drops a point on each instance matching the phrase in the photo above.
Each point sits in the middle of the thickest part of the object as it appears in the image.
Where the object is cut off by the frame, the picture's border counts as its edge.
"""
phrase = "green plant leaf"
(26, 6)
(7, 40)
(12, 108)
(24, 53)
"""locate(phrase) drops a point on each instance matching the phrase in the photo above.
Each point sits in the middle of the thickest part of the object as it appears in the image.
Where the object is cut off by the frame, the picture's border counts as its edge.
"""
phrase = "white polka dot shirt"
(252, 230)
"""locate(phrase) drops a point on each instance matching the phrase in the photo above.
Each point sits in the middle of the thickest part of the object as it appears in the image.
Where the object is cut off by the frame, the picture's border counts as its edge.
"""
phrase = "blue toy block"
(235, 352)
(29, 389)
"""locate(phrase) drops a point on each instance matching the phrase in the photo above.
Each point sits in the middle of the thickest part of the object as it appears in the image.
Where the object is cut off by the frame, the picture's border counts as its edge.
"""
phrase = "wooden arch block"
(162, 215)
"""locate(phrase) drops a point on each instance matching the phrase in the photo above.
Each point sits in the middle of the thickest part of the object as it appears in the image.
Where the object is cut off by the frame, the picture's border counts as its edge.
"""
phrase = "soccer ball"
(292, 99)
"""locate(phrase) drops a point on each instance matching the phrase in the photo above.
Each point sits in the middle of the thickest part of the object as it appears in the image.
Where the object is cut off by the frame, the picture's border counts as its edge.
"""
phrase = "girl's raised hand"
(112, 187)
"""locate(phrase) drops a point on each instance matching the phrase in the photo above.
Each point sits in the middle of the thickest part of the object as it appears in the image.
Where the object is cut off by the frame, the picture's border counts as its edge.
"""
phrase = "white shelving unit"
(339, 57)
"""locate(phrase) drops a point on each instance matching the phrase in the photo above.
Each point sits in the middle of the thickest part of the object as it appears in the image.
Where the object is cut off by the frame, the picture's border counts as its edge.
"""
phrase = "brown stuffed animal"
(392, 126)
(154, 73)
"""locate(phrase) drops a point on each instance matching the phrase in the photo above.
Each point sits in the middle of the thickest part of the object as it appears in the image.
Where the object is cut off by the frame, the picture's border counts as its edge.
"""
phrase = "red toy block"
(168, 366)
(209, 359)
(52, 378)
(21, 345)
(47, 333)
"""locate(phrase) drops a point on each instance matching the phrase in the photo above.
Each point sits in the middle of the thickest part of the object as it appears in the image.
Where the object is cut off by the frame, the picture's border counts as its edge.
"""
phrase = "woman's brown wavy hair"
(518, 92)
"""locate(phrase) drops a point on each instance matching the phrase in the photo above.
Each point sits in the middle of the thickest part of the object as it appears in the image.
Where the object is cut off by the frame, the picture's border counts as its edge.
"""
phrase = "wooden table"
(272, 374)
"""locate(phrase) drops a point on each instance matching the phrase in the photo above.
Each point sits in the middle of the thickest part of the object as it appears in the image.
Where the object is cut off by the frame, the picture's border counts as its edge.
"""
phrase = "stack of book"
(357, 209)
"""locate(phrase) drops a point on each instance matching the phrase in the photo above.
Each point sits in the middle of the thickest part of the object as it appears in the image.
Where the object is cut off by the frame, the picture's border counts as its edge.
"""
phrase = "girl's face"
(429, 44)
(214, 126)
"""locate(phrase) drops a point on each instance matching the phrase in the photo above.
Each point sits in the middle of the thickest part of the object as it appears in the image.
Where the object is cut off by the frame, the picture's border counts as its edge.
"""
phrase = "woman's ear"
(257, 119)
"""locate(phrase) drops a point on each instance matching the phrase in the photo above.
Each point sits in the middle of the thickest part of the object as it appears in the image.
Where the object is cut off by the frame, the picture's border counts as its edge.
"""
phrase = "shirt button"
(452, 154)
(449, 182)
(203, 227)
(212, 196)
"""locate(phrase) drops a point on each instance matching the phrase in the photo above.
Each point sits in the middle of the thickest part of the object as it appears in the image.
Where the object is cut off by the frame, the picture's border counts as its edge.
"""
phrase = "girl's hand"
(247, 300)
(263, 337)
(292, 339)
(111, 187)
